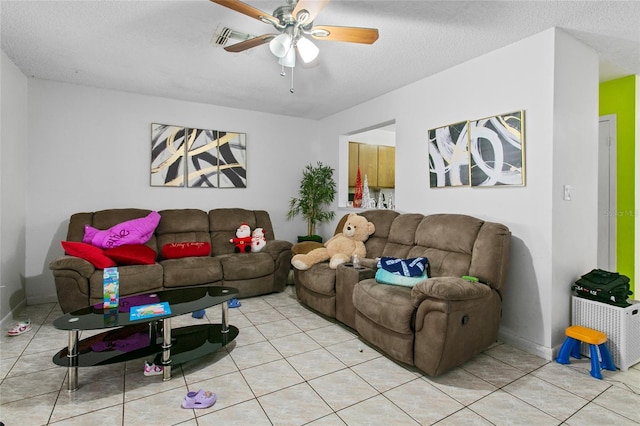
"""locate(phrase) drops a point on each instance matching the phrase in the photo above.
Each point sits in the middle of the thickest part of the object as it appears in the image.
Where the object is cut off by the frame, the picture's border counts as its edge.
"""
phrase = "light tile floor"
(290, 366)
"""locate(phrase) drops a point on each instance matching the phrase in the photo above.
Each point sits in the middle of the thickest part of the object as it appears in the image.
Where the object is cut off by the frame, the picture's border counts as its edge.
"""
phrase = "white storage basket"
(621, 325)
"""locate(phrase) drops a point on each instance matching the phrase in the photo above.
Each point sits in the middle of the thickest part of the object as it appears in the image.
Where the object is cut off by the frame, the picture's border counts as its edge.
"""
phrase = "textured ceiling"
(163, 48)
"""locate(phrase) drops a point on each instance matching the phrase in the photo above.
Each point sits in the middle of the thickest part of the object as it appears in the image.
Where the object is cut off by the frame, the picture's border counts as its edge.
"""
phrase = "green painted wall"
(618, 97)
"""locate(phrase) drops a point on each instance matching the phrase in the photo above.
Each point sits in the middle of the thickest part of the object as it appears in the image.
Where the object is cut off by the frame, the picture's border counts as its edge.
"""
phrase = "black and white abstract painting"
(232, 160)
(449, 155)
(202, 158)
(497, 150)
(167, 155)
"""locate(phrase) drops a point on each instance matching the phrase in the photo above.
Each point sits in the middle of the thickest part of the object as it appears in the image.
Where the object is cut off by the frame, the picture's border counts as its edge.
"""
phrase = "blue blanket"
(414, 267)
(386, 277)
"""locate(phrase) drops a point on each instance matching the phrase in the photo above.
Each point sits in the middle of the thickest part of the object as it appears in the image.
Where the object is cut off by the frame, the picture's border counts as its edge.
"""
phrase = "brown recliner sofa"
(80, 284)
(442, 321)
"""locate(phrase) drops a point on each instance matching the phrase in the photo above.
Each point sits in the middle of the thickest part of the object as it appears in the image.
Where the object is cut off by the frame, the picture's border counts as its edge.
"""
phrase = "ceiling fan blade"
(348, 34)
(244, 8)
(252, 42)
(312, 6)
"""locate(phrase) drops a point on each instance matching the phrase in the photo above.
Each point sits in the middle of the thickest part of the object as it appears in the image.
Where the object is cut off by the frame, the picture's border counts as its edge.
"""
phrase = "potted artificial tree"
(317, 189)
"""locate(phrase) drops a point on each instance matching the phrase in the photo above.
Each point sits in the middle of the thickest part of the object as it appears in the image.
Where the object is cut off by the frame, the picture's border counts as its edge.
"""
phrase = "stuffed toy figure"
(341, 247)
(258, 240)
(242, 241)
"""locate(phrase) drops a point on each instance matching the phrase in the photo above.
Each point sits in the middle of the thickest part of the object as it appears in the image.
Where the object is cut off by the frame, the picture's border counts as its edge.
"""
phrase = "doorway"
(607, 212)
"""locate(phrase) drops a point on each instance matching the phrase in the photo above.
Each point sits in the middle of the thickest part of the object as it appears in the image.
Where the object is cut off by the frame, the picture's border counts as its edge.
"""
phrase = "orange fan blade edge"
(347, 34)
(245, 9)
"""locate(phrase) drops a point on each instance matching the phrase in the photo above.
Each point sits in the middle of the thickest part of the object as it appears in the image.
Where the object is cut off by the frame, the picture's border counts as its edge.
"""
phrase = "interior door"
(607, 193)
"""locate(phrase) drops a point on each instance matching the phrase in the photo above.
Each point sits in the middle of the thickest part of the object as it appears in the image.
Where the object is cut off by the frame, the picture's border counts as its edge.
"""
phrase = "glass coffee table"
(128, 338)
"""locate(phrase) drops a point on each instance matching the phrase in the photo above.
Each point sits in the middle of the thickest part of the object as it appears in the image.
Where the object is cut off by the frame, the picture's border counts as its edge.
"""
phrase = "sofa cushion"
(191, 271)
(382, 219)
(389, 306)
(134, 231)
(320, 278)
(189, 249)
(223, 224)
(182, 225)
(90, 253)
(243, 266)
(132, 254)
(443, 263)
(448, 232)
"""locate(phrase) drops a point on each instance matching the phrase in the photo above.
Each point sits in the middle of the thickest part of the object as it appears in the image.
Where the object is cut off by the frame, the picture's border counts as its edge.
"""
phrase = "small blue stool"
(595, 339)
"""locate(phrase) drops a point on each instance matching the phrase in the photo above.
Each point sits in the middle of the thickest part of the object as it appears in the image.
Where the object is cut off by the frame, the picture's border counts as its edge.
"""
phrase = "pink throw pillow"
(135, 231)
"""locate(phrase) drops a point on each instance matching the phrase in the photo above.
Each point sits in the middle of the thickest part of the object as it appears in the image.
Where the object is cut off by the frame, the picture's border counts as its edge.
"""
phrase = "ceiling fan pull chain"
(291, 90)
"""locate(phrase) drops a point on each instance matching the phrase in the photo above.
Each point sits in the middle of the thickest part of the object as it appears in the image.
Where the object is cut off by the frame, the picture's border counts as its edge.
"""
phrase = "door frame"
(607, 216)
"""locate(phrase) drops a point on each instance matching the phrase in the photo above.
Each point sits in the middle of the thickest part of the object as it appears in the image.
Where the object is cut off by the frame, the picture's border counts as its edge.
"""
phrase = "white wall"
(89, 149)
(524, 76)
(13, 177)
(575, 163)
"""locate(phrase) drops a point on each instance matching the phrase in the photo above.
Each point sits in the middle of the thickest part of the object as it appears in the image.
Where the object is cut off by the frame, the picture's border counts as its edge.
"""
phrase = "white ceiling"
(162, 48)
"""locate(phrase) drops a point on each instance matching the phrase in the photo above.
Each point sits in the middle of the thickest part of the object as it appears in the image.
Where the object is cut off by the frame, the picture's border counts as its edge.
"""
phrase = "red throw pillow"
(132, 254)
(88, 252)
(178, 250)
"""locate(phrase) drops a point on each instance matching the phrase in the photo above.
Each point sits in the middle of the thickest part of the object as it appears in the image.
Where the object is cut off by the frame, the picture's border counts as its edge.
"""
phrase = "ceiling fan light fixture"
(289, 60)
(281, 45)
(307, 50)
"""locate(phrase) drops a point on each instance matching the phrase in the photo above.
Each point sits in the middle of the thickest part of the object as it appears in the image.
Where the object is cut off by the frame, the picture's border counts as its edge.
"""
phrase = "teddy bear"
(258, 240)
(341, 247)
(242, 241)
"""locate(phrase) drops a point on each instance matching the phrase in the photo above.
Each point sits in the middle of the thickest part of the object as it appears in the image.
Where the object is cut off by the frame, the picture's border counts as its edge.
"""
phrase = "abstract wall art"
(485, 152)
(167, 155)
(202, 158)
(449, 155)
(232, 156)
(497, 150)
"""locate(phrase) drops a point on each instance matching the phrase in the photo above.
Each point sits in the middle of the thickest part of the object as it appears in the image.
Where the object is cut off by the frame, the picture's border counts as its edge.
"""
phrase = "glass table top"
(181, 301)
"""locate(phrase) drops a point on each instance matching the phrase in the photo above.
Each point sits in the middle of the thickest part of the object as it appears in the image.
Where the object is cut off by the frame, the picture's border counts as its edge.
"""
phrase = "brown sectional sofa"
(79, 283)
(439, 323)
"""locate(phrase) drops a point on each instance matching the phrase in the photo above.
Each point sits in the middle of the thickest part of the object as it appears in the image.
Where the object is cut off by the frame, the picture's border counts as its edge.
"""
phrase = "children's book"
(110, 279)
(149, 311)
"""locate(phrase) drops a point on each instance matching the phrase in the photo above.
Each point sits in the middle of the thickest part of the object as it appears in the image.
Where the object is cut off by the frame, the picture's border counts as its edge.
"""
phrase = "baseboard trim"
(528, 346)
(9, 320)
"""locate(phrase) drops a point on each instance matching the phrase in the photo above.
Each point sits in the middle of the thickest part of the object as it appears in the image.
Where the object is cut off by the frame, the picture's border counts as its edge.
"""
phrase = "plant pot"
(316, 238)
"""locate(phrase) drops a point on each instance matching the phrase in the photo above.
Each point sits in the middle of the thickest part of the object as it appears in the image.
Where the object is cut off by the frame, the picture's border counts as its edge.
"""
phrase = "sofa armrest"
(276, 247)
(369, 263)
(448, 289)
(305, 247)
(81, 266)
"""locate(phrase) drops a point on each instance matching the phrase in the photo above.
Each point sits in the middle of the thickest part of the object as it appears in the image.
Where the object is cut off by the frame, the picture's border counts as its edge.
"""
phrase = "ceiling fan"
(294, 21)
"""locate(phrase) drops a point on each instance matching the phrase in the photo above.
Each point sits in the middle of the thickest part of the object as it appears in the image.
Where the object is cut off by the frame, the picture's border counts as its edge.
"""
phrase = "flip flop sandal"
(152, 369)
(200, 399)
(19, 328)
(198, 314)
(234, 303)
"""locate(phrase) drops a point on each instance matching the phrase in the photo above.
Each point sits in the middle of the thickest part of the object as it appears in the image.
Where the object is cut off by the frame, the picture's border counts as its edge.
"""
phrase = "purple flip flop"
(200, 399)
